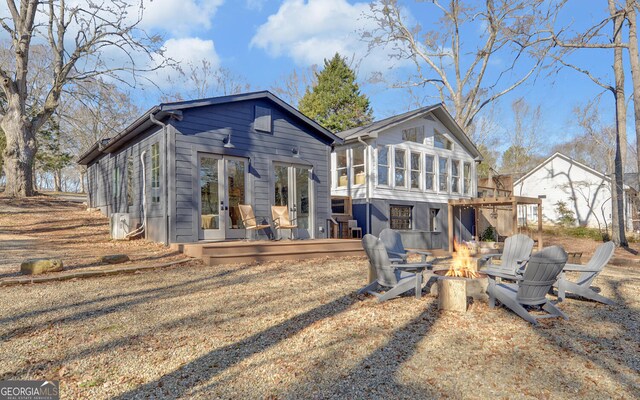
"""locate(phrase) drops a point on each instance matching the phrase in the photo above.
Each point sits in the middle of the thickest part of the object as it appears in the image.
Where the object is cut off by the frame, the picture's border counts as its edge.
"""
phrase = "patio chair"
(531, 288)
(395, 279)
(395, 249)
(589, 272)
(517, 249)
(249, 220)
(281, 219)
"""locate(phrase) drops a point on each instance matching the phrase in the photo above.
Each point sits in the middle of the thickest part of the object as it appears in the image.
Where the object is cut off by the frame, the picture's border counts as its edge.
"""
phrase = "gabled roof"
(566, 158)
(174, 109)
(438, 110)
(631, 180)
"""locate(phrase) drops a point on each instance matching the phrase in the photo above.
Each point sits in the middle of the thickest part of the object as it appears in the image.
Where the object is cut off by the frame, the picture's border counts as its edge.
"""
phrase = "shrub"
(566, 218)
(489, 235)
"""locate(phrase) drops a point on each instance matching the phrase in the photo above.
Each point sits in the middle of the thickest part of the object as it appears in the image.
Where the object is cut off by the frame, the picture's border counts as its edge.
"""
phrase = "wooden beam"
(450, 227)
(540, 225)
(514, 214)
(476, 215)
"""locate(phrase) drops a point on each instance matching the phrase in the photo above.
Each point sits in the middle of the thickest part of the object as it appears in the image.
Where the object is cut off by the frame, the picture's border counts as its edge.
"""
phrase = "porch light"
(296, 152)
(227, 142)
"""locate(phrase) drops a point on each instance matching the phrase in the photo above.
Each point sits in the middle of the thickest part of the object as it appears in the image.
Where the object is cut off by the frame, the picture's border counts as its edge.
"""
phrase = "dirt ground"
(288, 329)
(47, 226)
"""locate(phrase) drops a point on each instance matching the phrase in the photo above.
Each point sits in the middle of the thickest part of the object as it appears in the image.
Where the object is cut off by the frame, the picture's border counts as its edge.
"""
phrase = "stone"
(38, 266)
(114, 258)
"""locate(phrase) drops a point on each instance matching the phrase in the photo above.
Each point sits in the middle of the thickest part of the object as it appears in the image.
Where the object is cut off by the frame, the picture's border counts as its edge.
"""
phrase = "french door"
(293, 189)
(223, 186)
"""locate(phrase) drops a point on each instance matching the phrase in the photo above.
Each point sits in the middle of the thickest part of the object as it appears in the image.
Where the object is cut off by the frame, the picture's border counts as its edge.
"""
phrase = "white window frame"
(387, 165)
(434, 185)
(411, 171)
(466, 178)
(395, 185)
(446, 175)
(437, 133)
(454, 177)
(418, 131)
(352, 166)
(345, 168)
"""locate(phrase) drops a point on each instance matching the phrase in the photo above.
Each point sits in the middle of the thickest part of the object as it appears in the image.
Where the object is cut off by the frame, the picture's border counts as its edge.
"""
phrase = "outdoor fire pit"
(460, 282)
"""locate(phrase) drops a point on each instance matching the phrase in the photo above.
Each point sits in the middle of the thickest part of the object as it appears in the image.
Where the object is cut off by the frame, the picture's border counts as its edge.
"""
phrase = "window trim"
(433, 217)
(437, 133)
(352, 166)
(458, 162)
(345, 168)
(387, 165)
(411, 171)
(155, 173)
(392, 218)
(130, 184)
(433, 173)
(405, 151)
(466, 178)
(446, 175)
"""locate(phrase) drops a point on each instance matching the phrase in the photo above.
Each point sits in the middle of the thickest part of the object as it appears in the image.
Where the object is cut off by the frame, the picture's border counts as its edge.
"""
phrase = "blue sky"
(263, 40)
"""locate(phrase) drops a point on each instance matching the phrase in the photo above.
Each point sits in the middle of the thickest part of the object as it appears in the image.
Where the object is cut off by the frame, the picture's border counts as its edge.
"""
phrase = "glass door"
(292, 188)
(222, 189)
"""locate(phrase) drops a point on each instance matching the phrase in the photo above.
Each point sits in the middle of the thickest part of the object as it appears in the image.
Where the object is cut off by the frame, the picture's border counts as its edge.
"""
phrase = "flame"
(462, 264)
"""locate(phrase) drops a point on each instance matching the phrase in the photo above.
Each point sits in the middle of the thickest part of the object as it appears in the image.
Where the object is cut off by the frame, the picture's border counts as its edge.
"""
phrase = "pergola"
(484, 202)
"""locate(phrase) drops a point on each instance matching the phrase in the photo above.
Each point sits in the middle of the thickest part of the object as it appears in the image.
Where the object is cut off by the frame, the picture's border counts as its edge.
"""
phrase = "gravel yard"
(297, 330)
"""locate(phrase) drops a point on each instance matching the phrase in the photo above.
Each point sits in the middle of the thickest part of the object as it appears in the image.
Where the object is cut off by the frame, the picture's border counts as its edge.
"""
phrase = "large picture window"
(155, 173)
(400, 217)
(357, 165)
(400, 168)
(429, 173)
(415, 170)
(341, 167)
(443, 174)
(466, 170)
(455, 176)
(383, 165)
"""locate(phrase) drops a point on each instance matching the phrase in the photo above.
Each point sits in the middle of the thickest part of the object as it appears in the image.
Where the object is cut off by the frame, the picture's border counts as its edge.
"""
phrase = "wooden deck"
(234, 252)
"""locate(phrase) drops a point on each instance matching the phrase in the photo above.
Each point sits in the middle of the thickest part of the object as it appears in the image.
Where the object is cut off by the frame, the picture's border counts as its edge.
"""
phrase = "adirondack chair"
(517, 249)
(281, 219)
(395, 249)
(531, 288)
(249, 220)
(589, 272)
(395, 279)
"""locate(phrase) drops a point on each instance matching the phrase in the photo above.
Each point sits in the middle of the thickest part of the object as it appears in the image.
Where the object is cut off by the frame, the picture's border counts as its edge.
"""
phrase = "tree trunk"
(57, 180)
(617, 199)
(19, 154)
(635, 74)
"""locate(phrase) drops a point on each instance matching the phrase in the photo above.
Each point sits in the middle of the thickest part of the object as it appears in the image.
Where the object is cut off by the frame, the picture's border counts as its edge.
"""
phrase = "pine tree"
(51, 157)
(336, 102)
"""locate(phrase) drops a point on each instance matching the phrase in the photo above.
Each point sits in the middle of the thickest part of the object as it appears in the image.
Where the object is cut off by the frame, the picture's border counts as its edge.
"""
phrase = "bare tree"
(457, 72)
(634, 57)
(291, 88)
(76, 35)
(524, 138)
(204, 80)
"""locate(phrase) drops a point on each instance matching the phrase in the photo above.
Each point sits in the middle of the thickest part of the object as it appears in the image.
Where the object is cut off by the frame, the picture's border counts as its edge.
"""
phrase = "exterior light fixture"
(227, 142)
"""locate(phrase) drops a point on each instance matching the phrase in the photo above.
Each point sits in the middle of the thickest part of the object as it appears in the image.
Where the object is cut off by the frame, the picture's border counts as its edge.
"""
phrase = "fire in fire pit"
(462, 264)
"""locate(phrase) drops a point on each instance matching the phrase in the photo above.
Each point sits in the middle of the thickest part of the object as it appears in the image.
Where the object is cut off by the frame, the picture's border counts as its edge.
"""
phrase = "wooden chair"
(249, 219)
(395, 249)
(354, 228)
(517, 249)
(281, 219)
(393, 279)
(532, 286)
(588, 273)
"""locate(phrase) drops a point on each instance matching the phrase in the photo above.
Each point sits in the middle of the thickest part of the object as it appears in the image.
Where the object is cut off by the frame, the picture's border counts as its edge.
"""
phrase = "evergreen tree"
(335, 102)
(51, 157)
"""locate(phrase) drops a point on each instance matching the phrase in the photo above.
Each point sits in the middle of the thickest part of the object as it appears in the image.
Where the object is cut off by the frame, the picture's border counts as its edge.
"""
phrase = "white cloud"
(310, 31)
(179, 17)
(254, 5)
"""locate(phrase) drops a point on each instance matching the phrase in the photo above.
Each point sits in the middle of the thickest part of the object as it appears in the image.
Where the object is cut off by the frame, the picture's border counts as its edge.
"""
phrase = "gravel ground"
(297, 330)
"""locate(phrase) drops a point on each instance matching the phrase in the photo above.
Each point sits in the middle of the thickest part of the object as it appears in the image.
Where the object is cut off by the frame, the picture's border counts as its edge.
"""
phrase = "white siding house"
(401, 172)
(584, 190)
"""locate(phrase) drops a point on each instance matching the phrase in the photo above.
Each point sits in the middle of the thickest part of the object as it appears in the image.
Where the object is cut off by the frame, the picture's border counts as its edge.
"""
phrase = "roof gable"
(566, 158)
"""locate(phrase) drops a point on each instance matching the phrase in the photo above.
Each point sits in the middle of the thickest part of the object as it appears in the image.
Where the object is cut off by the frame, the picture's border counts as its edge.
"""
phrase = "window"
(401, 168)
(117, 181)
(434, 225)
(357, 165)
(466, 170)
(155, 173)
(415, 170)
(413, 134)
(441, 142)
(341, 167)
(383, 165)
(455, 176)
(262, 120)
(443, 167)
(429, 173)
(130, 181)
(400, 217)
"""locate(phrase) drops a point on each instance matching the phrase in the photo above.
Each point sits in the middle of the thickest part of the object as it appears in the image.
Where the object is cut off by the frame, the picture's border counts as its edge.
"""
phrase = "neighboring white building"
(401, 172)
(585, 191)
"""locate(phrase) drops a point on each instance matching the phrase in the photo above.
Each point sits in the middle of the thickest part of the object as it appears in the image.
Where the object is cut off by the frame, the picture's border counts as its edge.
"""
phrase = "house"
(585, 191)
(401, 171)
(182, 168)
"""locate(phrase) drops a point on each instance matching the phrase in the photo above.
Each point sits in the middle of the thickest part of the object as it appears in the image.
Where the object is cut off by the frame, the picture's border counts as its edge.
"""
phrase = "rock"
(38, 266)
(114, 258)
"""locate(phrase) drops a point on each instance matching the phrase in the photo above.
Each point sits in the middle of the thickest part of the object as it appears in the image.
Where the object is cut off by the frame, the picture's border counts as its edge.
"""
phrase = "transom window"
(429, 173)
(441, 142)
(455, 176)
(466, 170)
(401, 168)
(415, 170)
(383, 165)
(400, 217)
(413, 134)
(443, 172)
(357, 165)
(341, 167)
